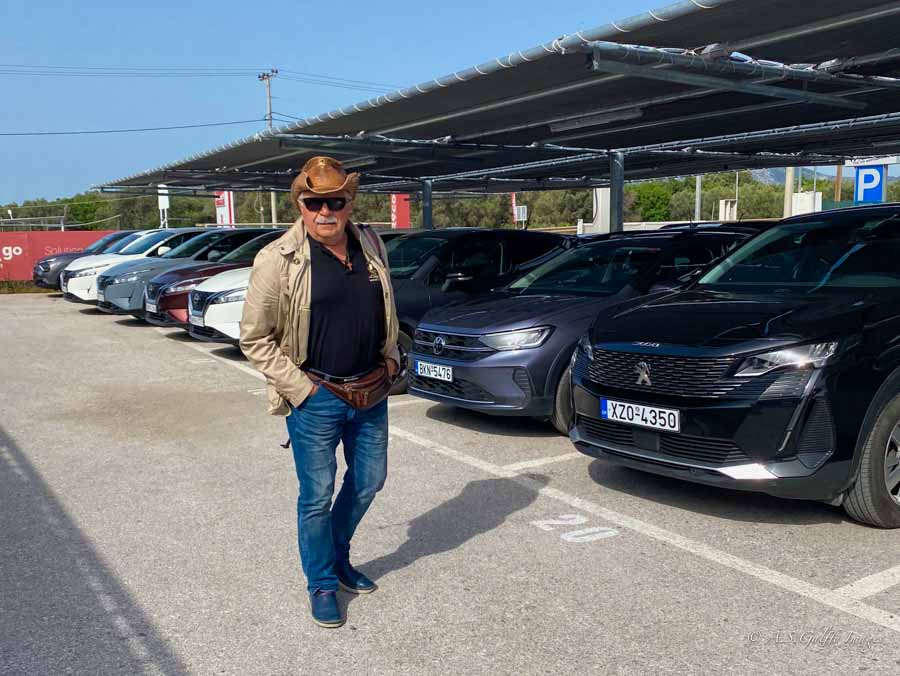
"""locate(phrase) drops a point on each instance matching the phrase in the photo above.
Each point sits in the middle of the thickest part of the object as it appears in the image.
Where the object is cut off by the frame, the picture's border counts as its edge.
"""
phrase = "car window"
(598, 268)
(479, 257)
(407, 254)
(523, 248)
(194, 244)
(697, 252)
(843, 251)
(102, 243)
(226, 244)
(247, 252)
(144, 243)
(175, 241)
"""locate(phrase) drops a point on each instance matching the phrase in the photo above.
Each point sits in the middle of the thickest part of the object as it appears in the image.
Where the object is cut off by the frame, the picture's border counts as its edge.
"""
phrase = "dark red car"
(166, 295)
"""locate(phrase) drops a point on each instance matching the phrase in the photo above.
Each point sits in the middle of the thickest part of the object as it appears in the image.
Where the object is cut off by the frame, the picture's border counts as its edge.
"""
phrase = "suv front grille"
(707, 450)
(460, 348)
(458, 389)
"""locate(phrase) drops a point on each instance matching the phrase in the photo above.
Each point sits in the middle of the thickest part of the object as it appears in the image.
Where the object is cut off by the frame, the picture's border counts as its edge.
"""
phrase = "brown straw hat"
(324, 176)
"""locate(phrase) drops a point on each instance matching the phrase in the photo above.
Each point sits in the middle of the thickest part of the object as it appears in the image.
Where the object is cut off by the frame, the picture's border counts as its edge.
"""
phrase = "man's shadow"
(481, 507)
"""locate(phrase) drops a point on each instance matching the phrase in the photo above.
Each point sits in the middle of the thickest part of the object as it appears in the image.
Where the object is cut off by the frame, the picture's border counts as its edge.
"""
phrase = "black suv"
(436, 267)
(776, 371)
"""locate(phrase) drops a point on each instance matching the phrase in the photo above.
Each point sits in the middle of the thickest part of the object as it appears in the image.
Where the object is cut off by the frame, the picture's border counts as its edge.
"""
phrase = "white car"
(79, 280)
(216, 305)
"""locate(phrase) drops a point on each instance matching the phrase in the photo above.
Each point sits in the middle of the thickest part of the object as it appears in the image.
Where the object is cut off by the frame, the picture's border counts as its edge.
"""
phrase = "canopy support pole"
(616, 191)
(427, 206)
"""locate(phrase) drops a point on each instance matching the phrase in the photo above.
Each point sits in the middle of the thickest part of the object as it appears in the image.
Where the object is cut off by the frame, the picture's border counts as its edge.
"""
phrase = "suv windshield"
(124, 242)
(596, 269)
(247, 252)
(101, 243)
(145, 243)
(844, 252)
(196, 244)
(406, 254)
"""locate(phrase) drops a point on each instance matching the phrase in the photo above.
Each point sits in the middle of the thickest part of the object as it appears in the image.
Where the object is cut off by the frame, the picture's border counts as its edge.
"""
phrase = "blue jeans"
(315, 428)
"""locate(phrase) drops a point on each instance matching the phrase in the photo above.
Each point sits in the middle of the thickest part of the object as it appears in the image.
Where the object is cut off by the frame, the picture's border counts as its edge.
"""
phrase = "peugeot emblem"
(642, 369)
(439, 344)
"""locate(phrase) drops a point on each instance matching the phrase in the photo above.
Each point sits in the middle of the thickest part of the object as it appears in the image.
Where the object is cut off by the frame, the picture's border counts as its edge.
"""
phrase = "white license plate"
(65, 287)
(665, 419)
(435, 371)
(151, 307)
(196, 321)
(100, 295)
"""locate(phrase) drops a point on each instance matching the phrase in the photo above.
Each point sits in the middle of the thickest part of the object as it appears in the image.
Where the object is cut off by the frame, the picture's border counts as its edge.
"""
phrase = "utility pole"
(788, 192)
(267, 79)
(698, 198)
(838, 181)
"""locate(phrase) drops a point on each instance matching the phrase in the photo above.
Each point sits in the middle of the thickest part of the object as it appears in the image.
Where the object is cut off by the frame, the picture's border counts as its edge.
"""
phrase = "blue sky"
(399, 42)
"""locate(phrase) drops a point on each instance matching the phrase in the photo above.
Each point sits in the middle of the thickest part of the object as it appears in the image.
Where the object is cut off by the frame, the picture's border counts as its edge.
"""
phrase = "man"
(319, 315)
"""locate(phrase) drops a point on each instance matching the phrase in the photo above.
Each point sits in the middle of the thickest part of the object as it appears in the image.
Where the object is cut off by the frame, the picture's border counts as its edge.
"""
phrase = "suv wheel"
(875, 497)
(562, 403)
(404, 344)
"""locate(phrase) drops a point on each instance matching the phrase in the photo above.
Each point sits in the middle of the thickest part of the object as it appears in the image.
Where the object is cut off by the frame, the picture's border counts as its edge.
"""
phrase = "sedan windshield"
(102, 243)
(406, 254)
(596, 269)
(124, 242)
(145, 243)
(247, 252)
(846, 251)
(196, 244)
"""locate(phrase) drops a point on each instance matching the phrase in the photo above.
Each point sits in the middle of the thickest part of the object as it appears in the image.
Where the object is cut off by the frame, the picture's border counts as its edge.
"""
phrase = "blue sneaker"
(324, 606)
(351, 580)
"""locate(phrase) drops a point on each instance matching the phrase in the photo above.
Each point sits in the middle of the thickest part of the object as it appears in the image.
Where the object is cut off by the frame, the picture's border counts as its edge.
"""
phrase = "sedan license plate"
(151, 308)
(434, 371)
(664, 419)
(65, 287)
(100, 295)
(196, 321)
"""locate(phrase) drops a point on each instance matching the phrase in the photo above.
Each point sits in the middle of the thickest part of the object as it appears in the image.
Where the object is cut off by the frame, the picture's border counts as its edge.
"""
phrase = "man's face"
(321, 220)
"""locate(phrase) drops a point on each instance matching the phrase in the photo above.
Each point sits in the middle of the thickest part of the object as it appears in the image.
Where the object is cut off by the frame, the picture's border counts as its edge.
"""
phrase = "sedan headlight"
(88, 272)
(126, 278)
(181, 287)
(230, 296)
(802, 356)
(517, 340)
(585, 347)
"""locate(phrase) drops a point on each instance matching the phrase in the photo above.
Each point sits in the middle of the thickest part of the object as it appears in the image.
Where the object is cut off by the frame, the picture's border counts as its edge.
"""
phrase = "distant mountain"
(770, 176)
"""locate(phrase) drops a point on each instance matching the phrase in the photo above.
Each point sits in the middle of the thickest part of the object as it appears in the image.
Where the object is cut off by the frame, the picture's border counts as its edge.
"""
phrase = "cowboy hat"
(324, 176)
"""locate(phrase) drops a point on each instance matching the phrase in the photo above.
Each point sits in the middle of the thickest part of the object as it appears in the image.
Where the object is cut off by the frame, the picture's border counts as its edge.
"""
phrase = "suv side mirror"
(455, 280)
(163, 250)
(214, 255)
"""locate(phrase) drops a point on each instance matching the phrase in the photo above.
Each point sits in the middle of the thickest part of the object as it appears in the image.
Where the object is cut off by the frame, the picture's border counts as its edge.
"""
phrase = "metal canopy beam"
(602, 64)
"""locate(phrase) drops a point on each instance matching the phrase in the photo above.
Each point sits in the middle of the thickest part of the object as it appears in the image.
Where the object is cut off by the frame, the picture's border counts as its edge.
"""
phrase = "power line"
(72, 204)
(125, 131)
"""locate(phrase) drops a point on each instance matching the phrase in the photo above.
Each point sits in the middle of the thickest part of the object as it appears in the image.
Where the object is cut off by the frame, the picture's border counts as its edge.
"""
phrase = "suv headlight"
(127, 277)
(88, 272)
(802, 356)
(517, 340)
(181, 287)
(230, 296)
(585, 347)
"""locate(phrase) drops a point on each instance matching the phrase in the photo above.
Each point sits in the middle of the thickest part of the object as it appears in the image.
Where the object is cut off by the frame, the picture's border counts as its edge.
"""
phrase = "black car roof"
(874, 209)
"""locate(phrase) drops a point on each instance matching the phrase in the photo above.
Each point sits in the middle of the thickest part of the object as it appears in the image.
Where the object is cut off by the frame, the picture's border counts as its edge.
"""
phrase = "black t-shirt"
(347, 323)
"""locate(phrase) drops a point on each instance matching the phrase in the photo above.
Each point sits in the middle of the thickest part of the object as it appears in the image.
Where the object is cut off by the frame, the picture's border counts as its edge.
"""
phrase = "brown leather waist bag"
(364, 392)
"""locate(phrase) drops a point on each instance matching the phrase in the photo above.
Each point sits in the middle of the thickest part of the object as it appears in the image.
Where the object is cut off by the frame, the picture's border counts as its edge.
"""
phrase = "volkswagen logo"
(439, 344)
(642, 369)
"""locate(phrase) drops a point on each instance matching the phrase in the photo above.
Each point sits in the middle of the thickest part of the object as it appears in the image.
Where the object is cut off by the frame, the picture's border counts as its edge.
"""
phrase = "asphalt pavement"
(148, 525)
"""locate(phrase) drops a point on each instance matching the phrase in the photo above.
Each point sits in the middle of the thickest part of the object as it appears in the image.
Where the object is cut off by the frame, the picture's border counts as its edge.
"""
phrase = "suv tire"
(562, 403)
(404, 344)
(869, 500)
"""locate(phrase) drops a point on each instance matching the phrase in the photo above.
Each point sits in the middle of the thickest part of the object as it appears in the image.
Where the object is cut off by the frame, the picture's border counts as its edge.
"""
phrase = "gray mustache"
(326, 220)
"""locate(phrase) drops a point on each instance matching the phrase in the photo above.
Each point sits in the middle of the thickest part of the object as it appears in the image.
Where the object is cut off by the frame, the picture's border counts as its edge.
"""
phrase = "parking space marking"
(872, 584)
(540, 462)
(825, 597)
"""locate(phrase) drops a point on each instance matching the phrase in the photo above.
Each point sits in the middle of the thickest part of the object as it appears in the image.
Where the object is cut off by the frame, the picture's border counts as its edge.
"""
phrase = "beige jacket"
(275, 323)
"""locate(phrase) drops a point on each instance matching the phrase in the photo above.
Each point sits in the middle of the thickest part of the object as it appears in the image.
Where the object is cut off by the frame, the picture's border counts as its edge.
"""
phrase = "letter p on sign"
(870, 184)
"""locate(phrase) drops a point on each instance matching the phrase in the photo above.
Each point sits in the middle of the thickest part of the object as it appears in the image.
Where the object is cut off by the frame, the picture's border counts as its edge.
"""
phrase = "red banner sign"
(400, 211)
(19, 251)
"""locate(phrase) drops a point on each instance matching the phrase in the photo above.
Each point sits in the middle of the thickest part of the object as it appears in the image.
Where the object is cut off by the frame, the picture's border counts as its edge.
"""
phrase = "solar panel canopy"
(717, 98)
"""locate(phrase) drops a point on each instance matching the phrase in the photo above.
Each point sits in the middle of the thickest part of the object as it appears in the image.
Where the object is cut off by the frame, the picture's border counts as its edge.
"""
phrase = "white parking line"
(540, 462)
(872, 584)
(826, 597)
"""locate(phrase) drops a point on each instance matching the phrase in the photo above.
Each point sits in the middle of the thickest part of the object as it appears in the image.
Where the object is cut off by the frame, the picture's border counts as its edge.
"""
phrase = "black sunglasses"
(334, 203)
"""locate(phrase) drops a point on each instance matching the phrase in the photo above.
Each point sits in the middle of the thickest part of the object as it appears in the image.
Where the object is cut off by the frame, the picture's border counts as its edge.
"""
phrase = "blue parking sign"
(870, 183)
